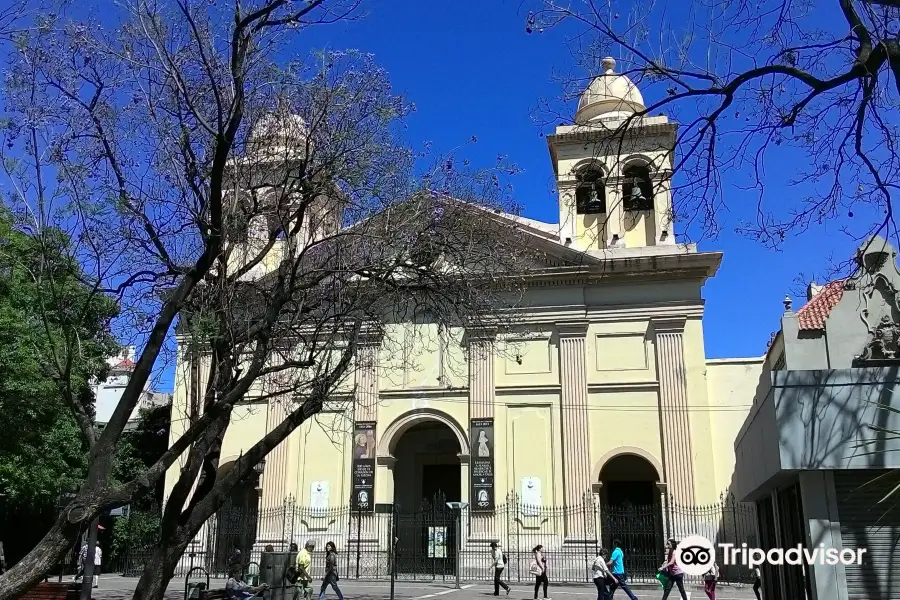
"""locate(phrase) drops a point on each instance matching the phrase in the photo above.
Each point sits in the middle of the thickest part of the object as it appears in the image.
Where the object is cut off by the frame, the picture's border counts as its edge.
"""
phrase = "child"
(709, 580)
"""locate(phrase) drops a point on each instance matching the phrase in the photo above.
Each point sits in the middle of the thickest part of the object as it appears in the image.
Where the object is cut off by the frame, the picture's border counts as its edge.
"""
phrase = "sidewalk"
(122, 588)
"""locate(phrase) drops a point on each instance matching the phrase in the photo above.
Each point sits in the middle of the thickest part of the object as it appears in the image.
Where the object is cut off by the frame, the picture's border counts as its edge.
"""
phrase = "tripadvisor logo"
(695, 555)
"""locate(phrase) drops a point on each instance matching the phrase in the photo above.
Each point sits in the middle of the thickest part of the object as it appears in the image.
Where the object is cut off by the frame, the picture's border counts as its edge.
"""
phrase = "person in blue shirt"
(617, 567)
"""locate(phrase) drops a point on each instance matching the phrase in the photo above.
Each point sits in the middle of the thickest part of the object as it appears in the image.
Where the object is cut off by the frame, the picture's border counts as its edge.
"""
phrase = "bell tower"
(277, 152)
(613, 170)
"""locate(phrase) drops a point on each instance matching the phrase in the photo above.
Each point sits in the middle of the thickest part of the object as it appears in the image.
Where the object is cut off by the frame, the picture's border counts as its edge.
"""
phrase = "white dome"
(609, 96)
(278, 130)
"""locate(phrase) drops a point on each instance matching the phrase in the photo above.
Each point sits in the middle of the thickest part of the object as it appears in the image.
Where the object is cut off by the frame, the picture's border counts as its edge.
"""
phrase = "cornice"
(572, 329)
(636, 129)
(672, 324)
(624, 386)
(414, 393)
(700, 265)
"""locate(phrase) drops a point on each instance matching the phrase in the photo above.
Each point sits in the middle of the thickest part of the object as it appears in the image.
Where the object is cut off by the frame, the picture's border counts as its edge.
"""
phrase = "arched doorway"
(631, 511)
(427, 475)
(628, 478)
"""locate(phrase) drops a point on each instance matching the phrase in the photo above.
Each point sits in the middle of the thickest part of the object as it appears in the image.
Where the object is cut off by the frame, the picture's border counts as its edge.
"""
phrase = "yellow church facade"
(603, 394)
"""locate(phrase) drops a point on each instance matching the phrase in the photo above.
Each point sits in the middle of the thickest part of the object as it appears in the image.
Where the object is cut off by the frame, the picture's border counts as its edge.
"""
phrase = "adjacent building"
(108, 392)
(819, 450)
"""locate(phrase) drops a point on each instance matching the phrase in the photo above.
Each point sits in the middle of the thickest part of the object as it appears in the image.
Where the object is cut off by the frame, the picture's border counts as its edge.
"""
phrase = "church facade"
(604, 396)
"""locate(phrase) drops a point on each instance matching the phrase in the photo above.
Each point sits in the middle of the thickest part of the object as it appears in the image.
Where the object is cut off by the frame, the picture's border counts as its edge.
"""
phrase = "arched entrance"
(631, 511)
(427, 475)
(628, 478)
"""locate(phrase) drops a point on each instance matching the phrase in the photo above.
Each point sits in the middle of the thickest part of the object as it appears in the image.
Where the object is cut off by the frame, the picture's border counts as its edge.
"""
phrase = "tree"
(140, 448)
(752, 83)
(46, 453)
(261, 205)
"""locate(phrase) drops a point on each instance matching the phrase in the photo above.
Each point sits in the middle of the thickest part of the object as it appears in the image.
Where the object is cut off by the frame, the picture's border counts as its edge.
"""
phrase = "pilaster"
(615, 215)
(365, 406)
(575, 435)
(273, 480)
(662, 208)
(567, 214)
(480, 345)
(675, 432)
(481, 374)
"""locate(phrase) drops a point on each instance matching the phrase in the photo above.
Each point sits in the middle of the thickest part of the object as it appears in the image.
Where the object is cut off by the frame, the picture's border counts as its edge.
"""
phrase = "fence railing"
(434, 541)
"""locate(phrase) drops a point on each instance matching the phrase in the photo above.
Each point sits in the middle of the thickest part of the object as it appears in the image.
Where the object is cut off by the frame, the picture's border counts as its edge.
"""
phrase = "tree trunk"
(160, 569)
(42, 559)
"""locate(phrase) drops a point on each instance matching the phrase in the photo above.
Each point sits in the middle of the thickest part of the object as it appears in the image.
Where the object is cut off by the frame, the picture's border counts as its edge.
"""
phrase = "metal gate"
(426, 545)
(639, 528)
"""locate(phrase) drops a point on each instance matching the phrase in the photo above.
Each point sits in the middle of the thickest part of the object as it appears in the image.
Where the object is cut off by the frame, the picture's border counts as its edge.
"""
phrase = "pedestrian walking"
(82, 557)
(757, 583)
(304, 565)
(538, 568)
(603, 577)
(616, 565)
(498, 563)
(709, 581)
(98, 560)
(673, 571)
(331, 572)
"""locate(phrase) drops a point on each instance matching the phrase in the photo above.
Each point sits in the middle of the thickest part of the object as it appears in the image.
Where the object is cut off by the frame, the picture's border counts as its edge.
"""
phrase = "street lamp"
(258, 468)
(458, 507)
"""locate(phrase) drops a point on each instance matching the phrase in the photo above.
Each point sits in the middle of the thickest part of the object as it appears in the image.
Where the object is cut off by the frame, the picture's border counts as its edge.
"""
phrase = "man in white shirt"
(498, 561)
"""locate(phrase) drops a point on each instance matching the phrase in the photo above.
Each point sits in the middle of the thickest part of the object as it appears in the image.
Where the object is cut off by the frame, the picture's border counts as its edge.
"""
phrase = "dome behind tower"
(609, 96)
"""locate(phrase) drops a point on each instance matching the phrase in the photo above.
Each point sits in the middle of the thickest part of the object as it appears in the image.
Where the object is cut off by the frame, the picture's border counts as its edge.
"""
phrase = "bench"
(219, 594)
(53, 591)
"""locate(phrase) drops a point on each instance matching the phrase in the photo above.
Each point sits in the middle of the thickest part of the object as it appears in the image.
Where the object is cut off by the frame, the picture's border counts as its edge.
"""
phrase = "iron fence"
(434, 540)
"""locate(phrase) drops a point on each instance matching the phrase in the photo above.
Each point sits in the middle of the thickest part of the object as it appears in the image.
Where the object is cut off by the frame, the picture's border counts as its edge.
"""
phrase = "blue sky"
(471, 69)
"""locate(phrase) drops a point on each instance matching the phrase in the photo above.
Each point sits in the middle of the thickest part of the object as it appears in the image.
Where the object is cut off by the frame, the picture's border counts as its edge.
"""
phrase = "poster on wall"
(481, 432)
(363, 495)
(318, 495)
(530, 496)
(437, 542)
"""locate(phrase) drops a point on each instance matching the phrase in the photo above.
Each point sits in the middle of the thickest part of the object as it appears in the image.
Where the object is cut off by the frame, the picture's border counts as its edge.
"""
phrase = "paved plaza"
(122, 588)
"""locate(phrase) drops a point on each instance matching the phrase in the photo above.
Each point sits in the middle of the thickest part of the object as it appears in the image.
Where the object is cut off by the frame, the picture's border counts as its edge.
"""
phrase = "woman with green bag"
(674, 574)
(662, 578)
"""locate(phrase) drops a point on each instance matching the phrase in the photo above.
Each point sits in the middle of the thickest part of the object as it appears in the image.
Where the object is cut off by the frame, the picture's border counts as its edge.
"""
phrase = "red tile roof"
(125, 365)
(812, 315)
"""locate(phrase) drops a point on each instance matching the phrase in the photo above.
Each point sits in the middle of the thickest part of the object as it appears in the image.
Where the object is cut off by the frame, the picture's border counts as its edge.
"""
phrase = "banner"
(363, 496)
(481, 459)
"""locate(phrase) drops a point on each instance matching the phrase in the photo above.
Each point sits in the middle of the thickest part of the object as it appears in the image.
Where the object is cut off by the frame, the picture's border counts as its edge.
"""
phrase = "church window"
(590, 195)
(637, 189)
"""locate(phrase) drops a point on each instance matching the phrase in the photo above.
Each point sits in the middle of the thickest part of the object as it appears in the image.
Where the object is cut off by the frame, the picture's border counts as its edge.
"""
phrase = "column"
(480, 345)
(675, 431)
(575, 439)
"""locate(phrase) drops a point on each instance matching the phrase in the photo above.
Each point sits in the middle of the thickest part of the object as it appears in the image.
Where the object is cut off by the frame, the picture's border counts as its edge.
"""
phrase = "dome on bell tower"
(609, 96)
